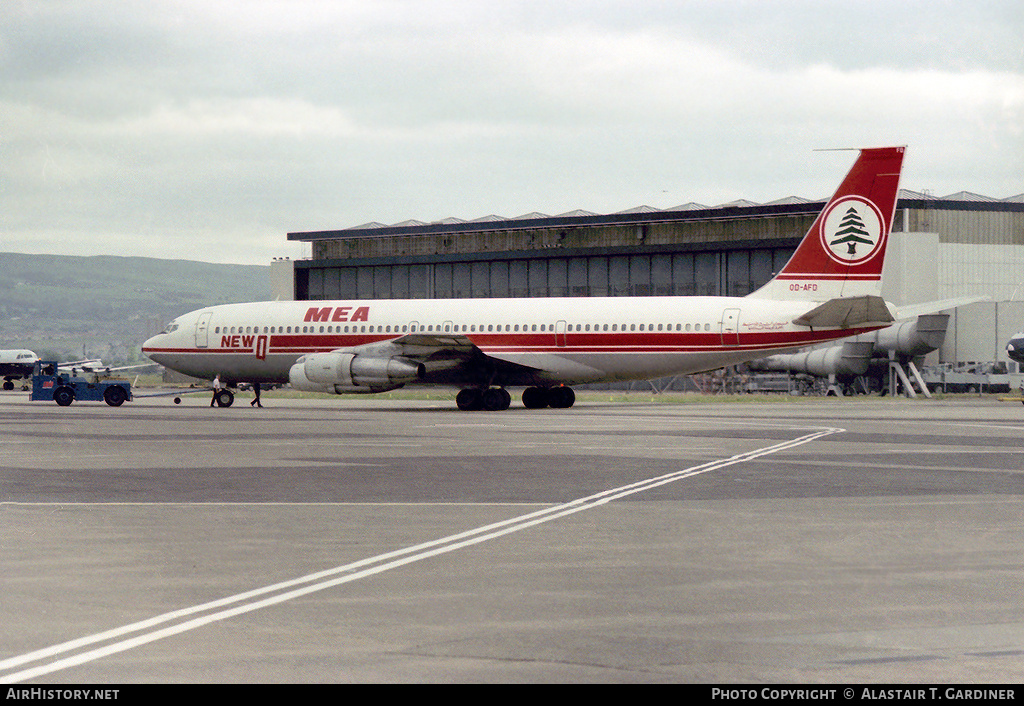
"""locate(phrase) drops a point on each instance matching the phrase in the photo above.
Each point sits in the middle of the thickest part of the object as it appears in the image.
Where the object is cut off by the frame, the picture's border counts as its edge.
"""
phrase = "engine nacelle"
(907, 339)
(341, 372)
(912, 338)
(325, 368)
(385, 371)
(849, 359)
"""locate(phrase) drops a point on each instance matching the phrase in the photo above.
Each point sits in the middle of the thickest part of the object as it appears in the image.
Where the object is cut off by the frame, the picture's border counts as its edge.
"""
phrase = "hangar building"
(959, 245)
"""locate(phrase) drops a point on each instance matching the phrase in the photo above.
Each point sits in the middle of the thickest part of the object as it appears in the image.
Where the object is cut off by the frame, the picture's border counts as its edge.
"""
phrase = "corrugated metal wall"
(683, 232)
(981, 227)
(735, 272)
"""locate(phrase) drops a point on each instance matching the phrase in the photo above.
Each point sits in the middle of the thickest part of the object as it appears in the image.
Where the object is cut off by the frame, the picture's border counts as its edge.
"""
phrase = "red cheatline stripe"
(575, 342)
(814, 275)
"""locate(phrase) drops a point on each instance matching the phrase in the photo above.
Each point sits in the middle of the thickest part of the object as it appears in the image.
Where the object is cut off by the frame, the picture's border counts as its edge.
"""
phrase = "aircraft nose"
(152, 346)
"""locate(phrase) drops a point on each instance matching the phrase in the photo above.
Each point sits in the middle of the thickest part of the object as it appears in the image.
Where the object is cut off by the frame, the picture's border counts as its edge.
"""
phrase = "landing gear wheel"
(64, 396)
(561, 397)
(496, 399)
(535, 398)
(115, 396)
(8, 384)
(469, 399)
(225, 398)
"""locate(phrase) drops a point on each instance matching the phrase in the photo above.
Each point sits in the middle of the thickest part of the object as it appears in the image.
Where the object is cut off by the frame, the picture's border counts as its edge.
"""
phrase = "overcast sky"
(209, 129)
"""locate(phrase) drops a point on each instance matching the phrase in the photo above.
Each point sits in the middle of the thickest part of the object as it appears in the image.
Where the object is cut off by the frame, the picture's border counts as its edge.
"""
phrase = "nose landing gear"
(224, 398)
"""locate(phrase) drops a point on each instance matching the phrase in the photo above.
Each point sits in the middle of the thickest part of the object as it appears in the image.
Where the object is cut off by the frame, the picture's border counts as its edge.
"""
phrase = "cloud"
(209, 130)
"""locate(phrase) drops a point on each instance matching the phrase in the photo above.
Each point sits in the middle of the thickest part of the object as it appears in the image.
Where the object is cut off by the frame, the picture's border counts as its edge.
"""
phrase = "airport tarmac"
(373, 540)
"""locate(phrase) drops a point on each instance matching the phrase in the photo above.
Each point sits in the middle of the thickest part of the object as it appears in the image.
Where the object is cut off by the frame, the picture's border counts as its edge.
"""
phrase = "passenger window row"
(463, 328)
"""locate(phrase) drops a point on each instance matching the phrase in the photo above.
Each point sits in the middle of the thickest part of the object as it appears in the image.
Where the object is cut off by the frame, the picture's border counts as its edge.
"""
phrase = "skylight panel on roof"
(738, 203)
(967, 196)
(788, 200)
(640, 209)
(692, 206)
(908, 194)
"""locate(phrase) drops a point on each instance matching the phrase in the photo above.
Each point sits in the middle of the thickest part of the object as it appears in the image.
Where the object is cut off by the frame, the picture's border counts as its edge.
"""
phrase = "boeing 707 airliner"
(829, 289)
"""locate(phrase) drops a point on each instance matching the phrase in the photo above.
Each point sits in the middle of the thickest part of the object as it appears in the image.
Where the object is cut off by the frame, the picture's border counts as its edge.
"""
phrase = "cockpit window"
(171, 327)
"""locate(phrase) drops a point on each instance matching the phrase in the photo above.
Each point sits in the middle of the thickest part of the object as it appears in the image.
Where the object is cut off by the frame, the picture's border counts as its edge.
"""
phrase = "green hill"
(72, 307)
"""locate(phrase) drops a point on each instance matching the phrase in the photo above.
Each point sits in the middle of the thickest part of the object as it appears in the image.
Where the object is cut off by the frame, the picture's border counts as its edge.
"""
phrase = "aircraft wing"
(95, 366)
(128, 367)
(416, 345)
(846, 312)
(442, 353)
(449, 356)
(79, 363)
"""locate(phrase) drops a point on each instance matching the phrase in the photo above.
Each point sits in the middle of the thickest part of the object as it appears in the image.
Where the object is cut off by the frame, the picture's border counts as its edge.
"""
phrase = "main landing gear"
(493, 399)
(496, 399)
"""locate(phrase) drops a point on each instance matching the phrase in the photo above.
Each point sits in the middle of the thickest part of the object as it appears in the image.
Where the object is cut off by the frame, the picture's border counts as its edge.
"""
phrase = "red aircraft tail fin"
(843, 252)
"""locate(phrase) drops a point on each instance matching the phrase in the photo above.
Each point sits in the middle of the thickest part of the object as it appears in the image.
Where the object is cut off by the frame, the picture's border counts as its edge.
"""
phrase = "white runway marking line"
(287, 590)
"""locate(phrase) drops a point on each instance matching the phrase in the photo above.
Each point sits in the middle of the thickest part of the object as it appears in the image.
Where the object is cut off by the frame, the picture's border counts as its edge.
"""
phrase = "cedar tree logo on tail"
(852, 230)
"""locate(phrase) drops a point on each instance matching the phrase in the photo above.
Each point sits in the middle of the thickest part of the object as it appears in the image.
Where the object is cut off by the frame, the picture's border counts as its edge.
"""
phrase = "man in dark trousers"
(216, 389)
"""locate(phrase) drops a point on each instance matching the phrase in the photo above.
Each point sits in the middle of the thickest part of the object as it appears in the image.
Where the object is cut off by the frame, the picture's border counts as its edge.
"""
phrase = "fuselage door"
(560, 334)
(730, 327)
(203, 329)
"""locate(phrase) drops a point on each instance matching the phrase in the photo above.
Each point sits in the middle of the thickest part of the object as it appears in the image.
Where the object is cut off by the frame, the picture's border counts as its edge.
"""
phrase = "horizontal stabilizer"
(847, 312)
(911, 310)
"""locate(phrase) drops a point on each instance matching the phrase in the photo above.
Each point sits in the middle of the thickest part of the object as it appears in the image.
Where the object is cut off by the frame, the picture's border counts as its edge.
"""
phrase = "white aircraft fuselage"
(829, 289)
(549, 340)
(15, 364)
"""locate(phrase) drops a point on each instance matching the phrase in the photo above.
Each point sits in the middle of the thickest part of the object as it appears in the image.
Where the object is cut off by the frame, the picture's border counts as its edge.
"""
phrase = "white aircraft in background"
(16, 364)
(829, 289)
(20, 363)
(95, 366)
(1015, 347)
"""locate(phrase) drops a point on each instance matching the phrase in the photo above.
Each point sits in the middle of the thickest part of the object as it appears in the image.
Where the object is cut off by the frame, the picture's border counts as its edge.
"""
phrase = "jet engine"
(341, 372)
(849, 359)
(909, 339)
